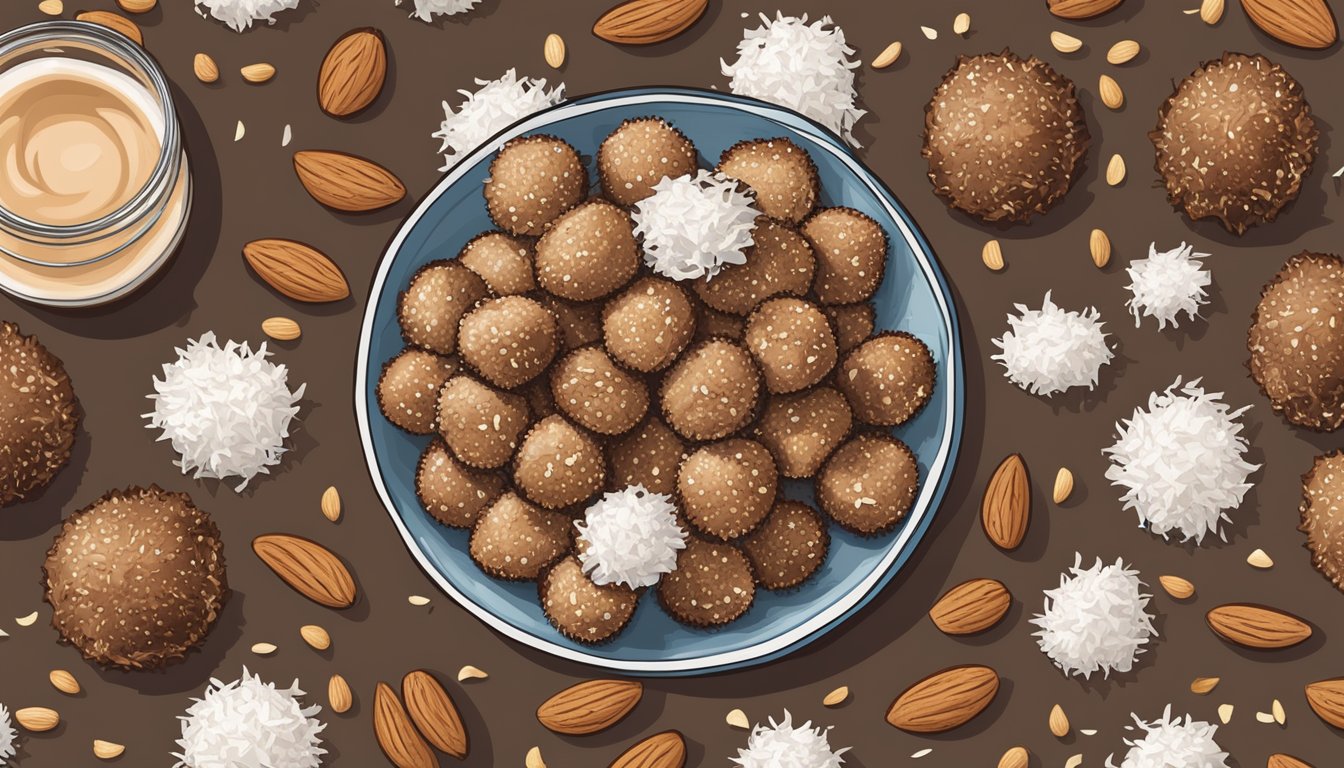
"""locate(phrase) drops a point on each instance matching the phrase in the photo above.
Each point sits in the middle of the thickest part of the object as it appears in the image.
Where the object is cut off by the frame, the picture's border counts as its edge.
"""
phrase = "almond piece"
(352, 73)
(1015, 757)
(553, 50)
(1115, 170)
(738, 719)
(944, 700)
(642, 22)
(1111, 94)
(396, 735)
(1280, 760)
(1058, 722)
(347, 182)
(258, 73)
(590, 707)
(1065, 43)
(64, 682)
(51, 7)
(1123, 52)
(533, 759)
(1259, 559)
(1211, 11)
(296, 270)
(433, 711)
(970, 607)
(1326, 698)
(1177, 587)
(331, 504)
(339, 695)
(888, 56)
(264, 649)
(992, 255)
(137, 6)
(471, 673)
(309, 568)
(1257, 626)
(961, 24)
(1081, 9)
(1063, 486)
(1005, 510)
(281, 328)
(316, 637)
(107, 750)
(661, 750)
(205, 68)
(37, 719)
(1204, 685)
(837, 697)
(114, 22)
(1303, 23)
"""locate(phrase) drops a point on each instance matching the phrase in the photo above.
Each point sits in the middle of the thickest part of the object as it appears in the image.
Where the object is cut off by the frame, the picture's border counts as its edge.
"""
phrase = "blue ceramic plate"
(914, 297)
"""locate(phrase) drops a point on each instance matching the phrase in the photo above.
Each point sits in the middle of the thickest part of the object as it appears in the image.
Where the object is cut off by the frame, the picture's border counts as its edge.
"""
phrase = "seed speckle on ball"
(431, 307)
(532, 181)
(480, 424)
(869, 484)
(39, 418)
(408, 389)
(888, 379)
(851, 251)
(793, 344)
(589, 253)
(509, 341)
(712, 391)
(780, 172)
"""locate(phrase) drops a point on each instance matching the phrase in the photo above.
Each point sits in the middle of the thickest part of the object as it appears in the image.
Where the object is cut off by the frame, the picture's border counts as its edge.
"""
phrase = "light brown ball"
(532, 181)
(792, 342)
(711, 392)
(589, 253)
(509, 341)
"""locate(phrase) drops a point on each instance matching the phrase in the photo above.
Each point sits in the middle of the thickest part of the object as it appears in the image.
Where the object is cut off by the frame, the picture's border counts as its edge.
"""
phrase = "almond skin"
(352, 73)
(296, 270)
(396, 735)
(1280, 760)
(309, 568)
(590, 707)
(1303, 23)
(944, 700)
(661, 750)
(970, 607)
(643, 22)
(347, 182)
(1326, 698)
(1257, 626)
(1005, 511)
(433, 711)
(1081, 9)
(114, 22)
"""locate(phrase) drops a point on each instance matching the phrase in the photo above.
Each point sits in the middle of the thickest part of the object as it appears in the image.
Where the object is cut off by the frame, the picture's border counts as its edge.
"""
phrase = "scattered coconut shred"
(805, 67)
(1051, 350)
(693, 226)
(250, 724)
(239, 14)
(783, 746)
(7, 737)
(1096, 620)
(1168, 742)
(1166, 284)
(630, 537)
(496, 105)
(1181, 462)
(426, 10)
(226, 410)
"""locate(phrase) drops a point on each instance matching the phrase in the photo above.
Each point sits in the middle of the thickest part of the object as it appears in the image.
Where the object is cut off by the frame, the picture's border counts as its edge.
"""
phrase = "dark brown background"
(246, 190)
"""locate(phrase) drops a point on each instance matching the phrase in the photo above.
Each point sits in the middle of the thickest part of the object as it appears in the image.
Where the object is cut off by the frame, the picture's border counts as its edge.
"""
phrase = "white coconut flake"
(227, 410)
(1181, 461)
(239, 14)
(805, 67)
(692, 226)
(1168, 742)
(1096, 620)
(8, 737)
(1051, 350)
(631, 537)
(496, 105)
(783, 746)
(426, 10)
(1166, 284)
(250, 724)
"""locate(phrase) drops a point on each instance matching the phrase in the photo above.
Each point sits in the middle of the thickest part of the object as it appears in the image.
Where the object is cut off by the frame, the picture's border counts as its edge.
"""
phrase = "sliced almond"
(205, 68)
(929, 32)
(738, 719)
(264, 649)
(63, 681)
(1123, 52)
(1115, 170)
(471, 673)
(1264, 717)
(1111, 94)
(1225, 713)
(339, 695)
(107, 750)
(258, 73)
(992, 255)
(1074, 761)
(533, 759)
(37, 719)
(888, 56)
(1203, 685)
(1063, 485)
(281, 328)
(239, 131)
(1177, 587)
(1065, 43)
(1099, 245)
(1211, 11)
(1258, 559)
(553, 50)
(51, 7)
(837, 697)
(1058, 722)
(419, 601)
(961, 24)
(331, 504)
(316, 637)
(27, 621)
(1015, 757)
(1276, 709)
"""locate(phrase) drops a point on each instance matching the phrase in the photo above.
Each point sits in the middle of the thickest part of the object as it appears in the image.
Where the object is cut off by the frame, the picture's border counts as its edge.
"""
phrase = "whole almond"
(1204, 685)
(661, 750)
(1065, 43)
(1015, 757)
(331, 504)
(296, 270)
(1111, 94)
(64, 682)
(961, 24)
(113, 22)
(1280, 760)
(888, 56)
(1115, 170)
(137, 6)
(1081, 9)
(642, 22)
(970, 607)
(207, 71)
(107, 750)
(1211, 11)
(339, 695)
(1123, 52)
(1063, 486)
(553, 50)
(433, 711)
(347, 182)
(1303, 23)
(316, 637)
(37, 719)
(836, 697)
(258, 73)
(1099, 247)
(1257, 626)
(352, 73)
(1005, 510)
(398, 738)
(1058, 722)
(281, 328)
(1326, 698)
(1177, 587)
(309, 568)
(992, 255)
(51, 7)
(590, 707)
(944, 700)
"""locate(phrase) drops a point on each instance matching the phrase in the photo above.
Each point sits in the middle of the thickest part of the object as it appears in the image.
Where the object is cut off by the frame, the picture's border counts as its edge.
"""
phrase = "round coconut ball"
(869, 484)
(888, 378)
(503, 262)
(792, 342)
(516, 541)
(581, 610)
(596, 394)
(558, 465)
(779, 263)
(780, 173)
(648, 456)
(851, 251)
(711, 392)
(713, 584)
(480, 424)
(450, 491)
(1322, 513)
(509, 341)
(801, 430)
(638, 155)
(727, 488)
(789, 547)
(38, 415)
(433, 304)
(408, 389)
(532, 181)
(589, 253)
(648, 324)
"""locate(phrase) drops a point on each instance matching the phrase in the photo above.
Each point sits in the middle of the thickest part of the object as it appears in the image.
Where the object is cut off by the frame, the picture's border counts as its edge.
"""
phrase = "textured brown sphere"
(509, 341)
(558, 465)
(780, 173)
(589, 253)
(779, 263)
(888, 378)
(801, 430)
(480, 424)
(532, 181)
(516, 541)
(430, 308)
(503, 262)
(1322, 513)
(638, 155)
(711, 392)
(596, 394)
(408, 389)
(789, 547)
(727, 488)
(851, 251)
(581, 610)
(38, 415)
(648, 324)
(648, 455)
(136, 579)
(869, 484)
(713, 584)
(450, 491)
(792, 342)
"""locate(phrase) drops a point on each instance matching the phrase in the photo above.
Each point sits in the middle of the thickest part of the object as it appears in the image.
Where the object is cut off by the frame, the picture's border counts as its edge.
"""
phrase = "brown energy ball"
(430, 308)
(1297, 341)
(780, 263)
(588, 253)
(638, 155)
(854, 323)
(408, 389)
(580, 322)
(480, 424)
(851, 251)
(648, 324)
(780, 173)
(648, 455)
(558, 465)
(727, 488)
(38, 415)
(532, 181)
(596, 394)
(581, 610)
(801, 430)
(136, 579)
(869, 484)
(1322, 513)
(515, 540)
(1004, 137)
(711, 392)
(509, 341)
(789, 546)
(888, 378)
(1234, 141)
(450, 491)
(503, 262)
(712, 585)
(792, 342)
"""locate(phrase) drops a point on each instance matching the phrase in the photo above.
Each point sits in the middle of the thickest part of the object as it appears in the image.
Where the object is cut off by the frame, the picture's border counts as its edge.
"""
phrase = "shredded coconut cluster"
(7, 737)
(1166, 284)
(496, 105)
(1167, 742)
(783, 746)
(1181, 462)
(694, 225)
(426, 10)
(1051, 349)
(226, 410)
(805, 67)
(630, 537)
(250, 724)
(1095, 621)
(239, 14)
